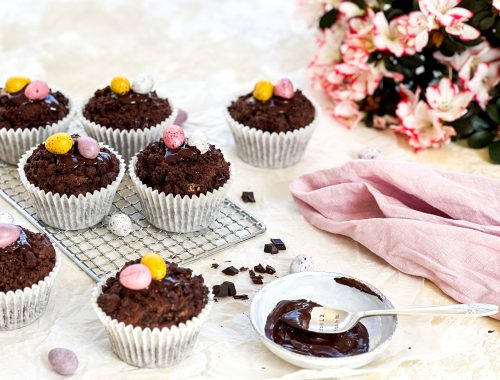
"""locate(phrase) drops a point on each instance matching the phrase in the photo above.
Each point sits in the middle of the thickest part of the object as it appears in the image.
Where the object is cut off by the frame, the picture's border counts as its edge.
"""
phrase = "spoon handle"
(468, 310)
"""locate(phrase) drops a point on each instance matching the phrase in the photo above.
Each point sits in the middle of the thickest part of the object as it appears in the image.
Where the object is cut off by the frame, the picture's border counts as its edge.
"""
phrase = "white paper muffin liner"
(21, 307)
(175, 213)
(15, 142)
(71, 213)
(126, 142)
(271, 150)
(151, 348)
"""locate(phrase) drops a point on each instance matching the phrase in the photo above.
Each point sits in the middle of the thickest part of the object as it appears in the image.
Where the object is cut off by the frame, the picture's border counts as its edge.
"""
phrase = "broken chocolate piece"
(241, 297)
(256, 279)
(215, 265)
(243, 269)
(248, 197)
(259, 269)
(231, 271)
(278, 243)
(270, 248)
(231, 289)
(270, 269)
(220, 290)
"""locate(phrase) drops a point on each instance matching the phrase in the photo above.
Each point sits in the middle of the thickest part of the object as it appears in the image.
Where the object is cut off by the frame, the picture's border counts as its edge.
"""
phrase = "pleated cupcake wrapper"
(21, 307)
(271, 150)
(126, 142)
(15, 142)
(176, 213)
(151, 348)
(71, 213)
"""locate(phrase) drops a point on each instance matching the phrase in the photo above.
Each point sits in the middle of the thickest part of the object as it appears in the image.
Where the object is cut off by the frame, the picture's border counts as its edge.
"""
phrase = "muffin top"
(25, 104)
(71, 165)
(273, 108)
(25, 257)
(125, 107)
(192, 167)
(164, 300)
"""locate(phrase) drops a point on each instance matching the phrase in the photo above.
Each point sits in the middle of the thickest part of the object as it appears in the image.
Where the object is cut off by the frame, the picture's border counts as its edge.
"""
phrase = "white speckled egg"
(120, 224)
(301, 263)
(199, 140)
(6, 218)
(143, 84)
(370, 153)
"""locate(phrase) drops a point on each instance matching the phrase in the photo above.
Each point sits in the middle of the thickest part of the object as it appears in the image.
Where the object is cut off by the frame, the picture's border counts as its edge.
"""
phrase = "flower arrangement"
(427, 69)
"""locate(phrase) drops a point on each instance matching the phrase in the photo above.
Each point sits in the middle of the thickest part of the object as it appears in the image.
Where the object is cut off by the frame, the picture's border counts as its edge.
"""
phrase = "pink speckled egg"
(284, 88)
(136, 277)
(36, 90)
(9, 233)
(174, 137)
(63, 361)
(181, 118)
(88, 147)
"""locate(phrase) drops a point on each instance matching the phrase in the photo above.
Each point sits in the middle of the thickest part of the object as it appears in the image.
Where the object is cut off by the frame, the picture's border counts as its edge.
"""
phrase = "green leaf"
(480, 139)
(486, 23)
(494, 151)
(479, 124)
(328, 19)
(463, 127)
(493, 112)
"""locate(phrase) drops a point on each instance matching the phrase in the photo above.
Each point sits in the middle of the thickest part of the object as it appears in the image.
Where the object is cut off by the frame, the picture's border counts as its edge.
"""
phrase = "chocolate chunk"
(231, 289)
(270, 269)
(490, 331)
(241, 297)
(278, 243)
(231, 271)
(259, 269)
(270, 248)
(215, 265)
(243, 269)
(248, 197)
(220, 290)
(256, 279)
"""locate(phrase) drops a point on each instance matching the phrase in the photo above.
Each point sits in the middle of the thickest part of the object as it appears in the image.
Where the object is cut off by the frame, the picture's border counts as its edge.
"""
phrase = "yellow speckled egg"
(120, 85)
(16, 84)
(59, 143)
(156, 265)
(263, 90)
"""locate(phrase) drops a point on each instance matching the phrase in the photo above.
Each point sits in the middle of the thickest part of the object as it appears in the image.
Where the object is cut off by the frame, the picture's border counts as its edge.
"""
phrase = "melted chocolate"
(184, 151)
(74, 159)
(352, 342)
(357, 285)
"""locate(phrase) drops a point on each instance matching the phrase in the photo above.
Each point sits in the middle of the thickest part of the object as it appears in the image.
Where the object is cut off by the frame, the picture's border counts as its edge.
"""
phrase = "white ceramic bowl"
(321, 287)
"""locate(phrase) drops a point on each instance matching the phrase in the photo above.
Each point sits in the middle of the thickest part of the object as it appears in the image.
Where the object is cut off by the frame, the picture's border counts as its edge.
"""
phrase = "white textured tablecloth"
(202, 53)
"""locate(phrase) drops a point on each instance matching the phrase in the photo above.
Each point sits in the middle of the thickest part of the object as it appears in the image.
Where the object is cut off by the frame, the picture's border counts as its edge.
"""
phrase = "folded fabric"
(440, 225)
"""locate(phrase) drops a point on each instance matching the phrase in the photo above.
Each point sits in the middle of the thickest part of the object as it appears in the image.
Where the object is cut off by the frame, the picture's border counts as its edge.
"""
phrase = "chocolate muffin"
(19, 112)
(175, 299)
(184, 171)
(127, 111)
(276, 114)
(71, 173)
(26, 261)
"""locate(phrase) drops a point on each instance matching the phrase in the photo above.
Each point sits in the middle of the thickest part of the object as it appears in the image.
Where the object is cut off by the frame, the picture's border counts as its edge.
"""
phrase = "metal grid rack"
(97, 251)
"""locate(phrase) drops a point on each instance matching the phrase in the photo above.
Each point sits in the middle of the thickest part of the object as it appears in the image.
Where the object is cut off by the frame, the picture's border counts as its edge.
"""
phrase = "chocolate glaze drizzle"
(352, 342)
(73, 158)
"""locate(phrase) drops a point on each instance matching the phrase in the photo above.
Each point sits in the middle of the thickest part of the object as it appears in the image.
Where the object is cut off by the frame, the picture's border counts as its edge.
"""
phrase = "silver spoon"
(327, 320)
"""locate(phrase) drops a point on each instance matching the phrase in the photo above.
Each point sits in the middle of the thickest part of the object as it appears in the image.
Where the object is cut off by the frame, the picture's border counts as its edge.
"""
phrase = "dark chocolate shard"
(259, 269)
(270, 269)
(215, 265)
(231, 289)
(278, 243)
(248, 197)
(241, 297)
(231, 271)
(270, 248)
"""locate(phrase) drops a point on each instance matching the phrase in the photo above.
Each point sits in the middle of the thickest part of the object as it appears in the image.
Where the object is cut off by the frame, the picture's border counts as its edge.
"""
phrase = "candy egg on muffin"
(183, 174)
(272, 124)
(127, 114)
(30, 111)
(152, 310)
(71, 179)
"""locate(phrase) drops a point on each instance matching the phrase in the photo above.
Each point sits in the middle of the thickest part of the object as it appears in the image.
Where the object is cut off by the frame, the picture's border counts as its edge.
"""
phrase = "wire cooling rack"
(98, 252)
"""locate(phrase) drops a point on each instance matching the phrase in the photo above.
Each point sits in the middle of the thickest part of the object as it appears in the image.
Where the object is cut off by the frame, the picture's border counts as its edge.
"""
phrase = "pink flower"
(347, 113)
(484, 79)
(453, 18)
(388, 36)
(447, 101)
(418, 29)
(408, 102)
(385, 121)
(496, 4)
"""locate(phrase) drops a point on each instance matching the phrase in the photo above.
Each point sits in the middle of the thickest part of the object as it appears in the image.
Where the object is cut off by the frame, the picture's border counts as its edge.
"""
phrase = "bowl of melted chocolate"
(303, 291)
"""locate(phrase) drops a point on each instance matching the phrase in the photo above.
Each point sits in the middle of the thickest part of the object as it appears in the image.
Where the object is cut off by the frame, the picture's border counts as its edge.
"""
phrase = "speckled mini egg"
(370, 153)
(37, 90)
(88, 147)
(9, 233)
(284, 88)
(174, 137)
(143, 84)
(59, 143)
(200, 141)
(63, 361)
(263, 90)
(156, 265)
(301, 263)
(181, 118)
(120, 224)
(135, 277)
(16, 84)
(120, 85)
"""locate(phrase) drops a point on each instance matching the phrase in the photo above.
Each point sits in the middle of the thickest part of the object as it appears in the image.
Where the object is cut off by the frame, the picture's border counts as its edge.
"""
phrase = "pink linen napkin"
(426, 222)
